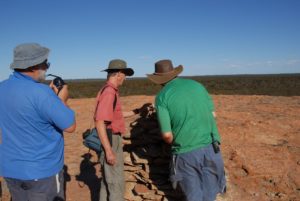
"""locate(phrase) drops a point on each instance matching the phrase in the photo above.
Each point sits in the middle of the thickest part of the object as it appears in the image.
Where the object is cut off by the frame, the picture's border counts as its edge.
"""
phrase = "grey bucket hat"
(119, 65)
(29, 54)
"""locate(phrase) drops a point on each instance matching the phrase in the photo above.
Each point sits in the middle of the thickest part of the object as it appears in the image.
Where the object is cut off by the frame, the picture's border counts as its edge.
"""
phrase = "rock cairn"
(4, 193)
(146, 161)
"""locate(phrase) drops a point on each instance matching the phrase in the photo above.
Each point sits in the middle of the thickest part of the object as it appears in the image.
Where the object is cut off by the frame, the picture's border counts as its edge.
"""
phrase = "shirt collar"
(23, 76)
(112, 85)
(172, 81)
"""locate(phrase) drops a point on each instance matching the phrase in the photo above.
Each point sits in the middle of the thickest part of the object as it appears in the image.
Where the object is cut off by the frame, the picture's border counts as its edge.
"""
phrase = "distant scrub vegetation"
(274, 85)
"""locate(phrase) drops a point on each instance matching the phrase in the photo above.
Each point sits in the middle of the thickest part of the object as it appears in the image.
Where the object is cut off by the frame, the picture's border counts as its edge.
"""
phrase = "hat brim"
(164, 78)
(126, 71)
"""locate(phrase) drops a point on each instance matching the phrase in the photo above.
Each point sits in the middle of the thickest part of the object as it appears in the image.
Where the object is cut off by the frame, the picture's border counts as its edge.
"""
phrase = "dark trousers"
(46, 189)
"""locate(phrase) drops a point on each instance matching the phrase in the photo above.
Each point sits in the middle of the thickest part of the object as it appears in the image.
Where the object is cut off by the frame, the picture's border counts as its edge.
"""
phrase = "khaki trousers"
(113, 182)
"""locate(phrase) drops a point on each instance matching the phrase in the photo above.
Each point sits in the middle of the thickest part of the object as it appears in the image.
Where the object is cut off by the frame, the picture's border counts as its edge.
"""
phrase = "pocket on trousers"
(175, 176)
(214, 162)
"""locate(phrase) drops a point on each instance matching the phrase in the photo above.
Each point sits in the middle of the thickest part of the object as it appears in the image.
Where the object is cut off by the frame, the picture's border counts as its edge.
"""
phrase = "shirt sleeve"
(163, 116)
(104, 110)
(54, 111)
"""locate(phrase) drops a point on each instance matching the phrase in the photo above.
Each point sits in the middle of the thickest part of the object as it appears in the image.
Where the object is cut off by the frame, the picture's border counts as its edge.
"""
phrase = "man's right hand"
(146, 109)
(110, 157)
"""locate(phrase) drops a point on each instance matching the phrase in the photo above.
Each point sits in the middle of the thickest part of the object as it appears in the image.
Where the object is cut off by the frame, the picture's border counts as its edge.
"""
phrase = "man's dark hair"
(111, 73)
(31, 68)
(27, 70)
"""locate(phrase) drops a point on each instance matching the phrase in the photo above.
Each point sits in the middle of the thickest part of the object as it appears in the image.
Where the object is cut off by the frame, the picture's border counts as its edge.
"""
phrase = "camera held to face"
(58, 82)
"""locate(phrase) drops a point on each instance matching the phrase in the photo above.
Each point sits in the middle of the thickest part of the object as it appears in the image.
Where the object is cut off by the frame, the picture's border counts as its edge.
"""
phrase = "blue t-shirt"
(32, 120)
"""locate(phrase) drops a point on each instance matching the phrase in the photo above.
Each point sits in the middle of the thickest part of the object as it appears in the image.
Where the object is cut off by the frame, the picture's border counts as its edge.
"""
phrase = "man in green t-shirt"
(186, 115)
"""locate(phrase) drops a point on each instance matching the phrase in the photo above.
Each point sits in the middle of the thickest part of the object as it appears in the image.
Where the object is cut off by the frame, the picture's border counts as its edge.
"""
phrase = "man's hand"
(110, 157)
(143, 111)
(146, 109)
(63, 94)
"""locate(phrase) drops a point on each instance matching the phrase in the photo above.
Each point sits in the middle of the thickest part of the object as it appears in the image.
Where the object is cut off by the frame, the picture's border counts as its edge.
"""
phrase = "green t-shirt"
(185, 108)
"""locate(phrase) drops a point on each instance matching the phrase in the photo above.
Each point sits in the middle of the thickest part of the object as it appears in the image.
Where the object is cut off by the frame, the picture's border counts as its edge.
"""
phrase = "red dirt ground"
(261, 147)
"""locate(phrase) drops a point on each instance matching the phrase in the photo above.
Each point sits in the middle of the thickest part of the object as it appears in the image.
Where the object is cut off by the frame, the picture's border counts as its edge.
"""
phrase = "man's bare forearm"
(101, 128)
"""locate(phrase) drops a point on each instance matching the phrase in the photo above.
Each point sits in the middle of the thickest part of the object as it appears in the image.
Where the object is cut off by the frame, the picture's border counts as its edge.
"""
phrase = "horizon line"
(190, 76)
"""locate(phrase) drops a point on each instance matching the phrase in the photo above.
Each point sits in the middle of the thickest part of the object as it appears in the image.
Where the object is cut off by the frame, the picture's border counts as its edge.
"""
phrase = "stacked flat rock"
(4, 192)
(146, 161)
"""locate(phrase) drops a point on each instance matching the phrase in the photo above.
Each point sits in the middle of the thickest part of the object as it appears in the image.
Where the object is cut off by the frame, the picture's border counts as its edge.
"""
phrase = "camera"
(58, 82)
(215, 144)
(216, 147)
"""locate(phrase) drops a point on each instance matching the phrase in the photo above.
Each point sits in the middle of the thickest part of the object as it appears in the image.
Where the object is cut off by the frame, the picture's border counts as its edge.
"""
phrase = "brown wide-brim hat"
(117, 65)
(164, 72)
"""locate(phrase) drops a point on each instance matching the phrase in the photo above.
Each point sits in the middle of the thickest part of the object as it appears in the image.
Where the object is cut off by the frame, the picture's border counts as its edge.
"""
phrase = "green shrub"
(275, 85)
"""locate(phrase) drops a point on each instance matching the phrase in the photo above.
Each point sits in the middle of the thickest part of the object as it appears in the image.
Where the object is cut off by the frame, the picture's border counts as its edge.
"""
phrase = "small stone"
(138, 160)
(132, 168)
(129, 177)
(129, 186)
(141, 189)
(151, 196)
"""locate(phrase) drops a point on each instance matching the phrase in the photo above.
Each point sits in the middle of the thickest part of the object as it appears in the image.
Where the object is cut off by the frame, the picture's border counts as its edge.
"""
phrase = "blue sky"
(208, 37)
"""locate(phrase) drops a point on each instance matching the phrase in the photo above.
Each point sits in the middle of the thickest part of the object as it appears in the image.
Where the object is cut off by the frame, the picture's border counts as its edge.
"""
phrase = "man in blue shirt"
(33, 117)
